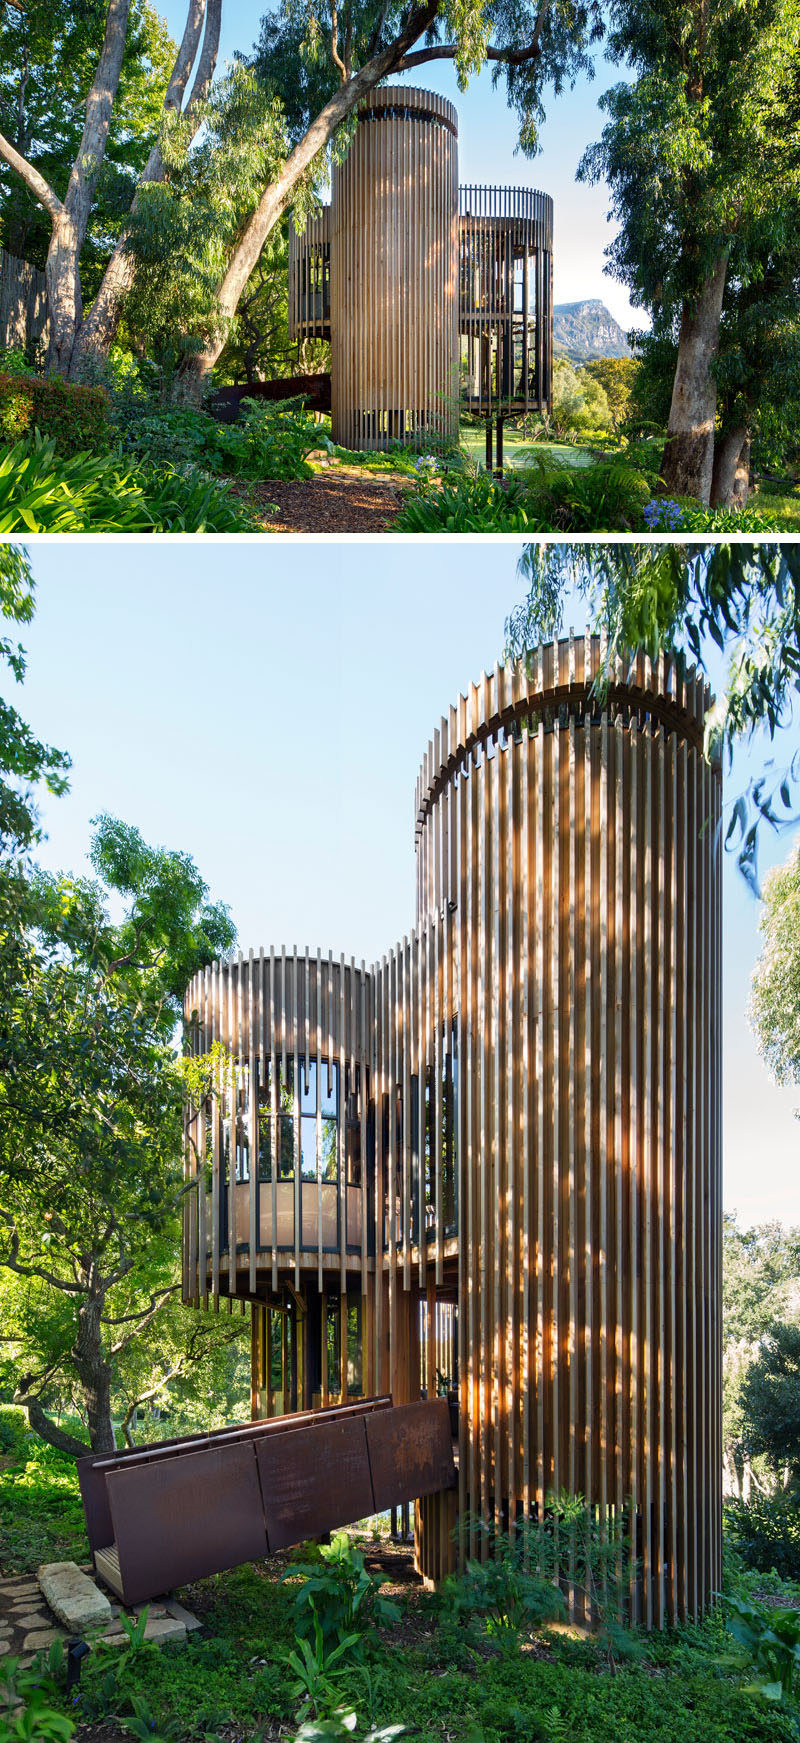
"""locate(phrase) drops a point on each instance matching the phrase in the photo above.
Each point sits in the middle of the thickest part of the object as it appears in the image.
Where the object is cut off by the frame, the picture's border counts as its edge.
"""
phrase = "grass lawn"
(519, 450)
(428, 1672)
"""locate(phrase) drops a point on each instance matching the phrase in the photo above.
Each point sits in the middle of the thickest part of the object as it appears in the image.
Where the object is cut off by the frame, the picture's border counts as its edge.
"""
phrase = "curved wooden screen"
(394, 294)
(506, 299)
(538, 1078)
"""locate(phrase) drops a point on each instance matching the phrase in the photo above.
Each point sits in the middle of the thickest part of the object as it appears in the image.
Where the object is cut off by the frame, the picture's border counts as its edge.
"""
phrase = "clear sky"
(488, 132)
(265, 707)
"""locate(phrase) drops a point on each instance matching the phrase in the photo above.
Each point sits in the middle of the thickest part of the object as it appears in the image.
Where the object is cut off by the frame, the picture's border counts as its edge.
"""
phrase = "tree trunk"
(94, 1372)
(62, 267)
(688, 461)
(731, 478)
(63, 292)
(98, 332)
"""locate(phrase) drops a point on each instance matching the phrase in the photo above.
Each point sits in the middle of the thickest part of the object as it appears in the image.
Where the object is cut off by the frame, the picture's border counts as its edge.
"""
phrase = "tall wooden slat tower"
(432, 297)
(518, 1196)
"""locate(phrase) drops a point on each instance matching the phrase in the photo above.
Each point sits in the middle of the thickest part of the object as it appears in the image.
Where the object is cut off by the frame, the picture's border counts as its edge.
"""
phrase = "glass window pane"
(308, 1088)
(329, 1132)
(286, 1148)
(264, 1145)
(329, 1088)
(354, 1155)
(286, 1097)
(308, 1148)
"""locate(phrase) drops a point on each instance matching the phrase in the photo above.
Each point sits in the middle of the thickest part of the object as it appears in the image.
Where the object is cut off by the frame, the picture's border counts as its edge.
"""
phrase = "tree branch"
(512, 57)
(146, 1319)
(49, 1431)
(11, 1259)
(156, 1296)
(34, 182)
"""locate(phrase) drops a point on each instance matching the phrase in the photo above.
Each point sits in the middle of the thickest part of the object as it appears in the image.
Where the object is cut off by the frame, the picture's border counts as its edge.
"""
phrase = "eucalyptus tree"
(534, 44)
(687, 599)
(48, 55)
(701, 155)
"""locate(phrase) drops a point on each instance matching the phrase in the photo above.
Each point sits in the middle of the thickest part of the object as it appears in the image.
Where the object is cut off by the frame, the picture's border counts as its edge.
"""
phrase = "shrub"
(27, 1712)
(268, 441)
(606, 497)
(44, 492)
(772, 1640)
(338, 1597)
(76, 418)
(468, 504)
(766, 1532)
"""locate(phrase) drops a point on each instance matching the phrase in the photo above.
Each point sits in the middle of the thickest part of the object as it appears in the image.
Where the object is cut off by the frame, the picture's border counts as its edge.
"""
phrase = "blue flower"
(662, 515)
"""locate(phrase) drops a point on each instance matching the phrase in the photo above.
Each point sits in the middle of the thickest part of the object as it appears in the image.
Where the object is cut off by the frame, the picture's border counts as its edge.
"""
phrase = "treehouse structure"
(433, 297)
(488, 1165)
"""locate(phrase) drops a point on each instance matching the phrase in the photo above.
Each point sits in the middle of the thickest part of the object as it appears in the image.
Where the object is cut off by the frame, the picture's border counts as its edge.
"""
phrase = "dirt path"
(344, 501)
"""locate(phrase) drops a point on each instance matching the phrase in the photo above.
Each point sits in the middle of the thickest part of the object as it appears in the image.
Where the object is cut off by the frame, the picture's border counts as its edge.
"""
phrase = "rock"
(40, 1637)
(73, 1597)
(4, 1647)
(177, 1610)
(164, 1628)
(32, 1619)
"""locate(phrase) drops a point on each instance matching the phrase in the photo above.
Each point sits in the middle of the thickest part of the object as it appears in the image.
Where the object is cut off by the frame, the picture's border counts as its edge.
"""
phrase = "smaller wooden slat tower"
(506, 300)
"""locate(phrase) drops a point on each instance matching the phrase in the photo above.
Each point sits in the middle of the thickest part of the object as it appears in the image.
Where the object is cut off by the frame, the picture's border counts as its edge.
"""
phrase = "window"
(310, 1115)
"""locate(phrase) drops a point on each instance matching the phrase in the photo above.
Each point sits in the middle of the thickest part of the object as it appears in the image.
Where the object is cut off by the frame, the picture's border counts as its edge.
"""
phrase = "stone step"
(73, 1598)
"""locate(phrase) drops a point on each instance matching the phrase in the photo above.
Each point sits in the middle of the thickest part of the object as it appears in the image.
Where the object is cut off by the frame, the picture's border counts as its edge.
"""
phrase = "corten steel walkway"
(158, 1516)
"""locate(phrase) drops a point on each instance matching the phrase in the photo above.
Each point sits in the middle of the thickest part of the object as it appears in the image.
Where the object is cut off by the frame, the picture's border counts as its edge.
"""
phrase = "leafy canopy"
(48, 57)
(775, 1001)
(683, 600)
(24, 759)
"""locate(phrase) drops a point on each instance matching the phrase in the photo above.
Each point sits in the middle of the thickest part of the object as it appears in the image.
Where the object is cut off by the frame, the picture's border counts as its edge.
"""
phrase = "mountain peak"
(586, 330)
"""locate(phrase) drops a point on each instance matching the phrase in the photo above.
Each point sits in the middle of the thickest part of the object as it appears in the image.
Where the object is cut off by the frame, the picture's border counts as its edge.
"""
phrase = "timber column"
(571, 834)
(394, 288)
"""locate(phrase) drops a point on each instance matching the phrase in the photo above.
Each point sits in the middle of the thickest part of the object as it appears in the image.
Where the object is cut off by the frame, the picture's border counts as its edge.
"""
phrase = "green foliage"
(48, 57)
(766, 1531)
(579, 401)
(91, 1117)
(770, 1400)
(608, 496)
(511, 1599)
(680, 599)
(772, 1640)
(775, 1001)
(24, 760)
(338, 1598)
(268, 441)
(185, 226)
(469, 504)
(43, 492)
(540, 498)
(27, 1696)
(74, 417)
(41, 1516)
(618, 377)
(318, 1669)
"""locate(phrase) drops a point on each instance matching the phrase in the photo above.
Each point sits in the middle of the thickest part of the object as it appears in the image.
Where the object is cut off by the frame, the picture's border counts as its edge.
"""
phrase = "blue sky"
(265, 707)
(487, 143)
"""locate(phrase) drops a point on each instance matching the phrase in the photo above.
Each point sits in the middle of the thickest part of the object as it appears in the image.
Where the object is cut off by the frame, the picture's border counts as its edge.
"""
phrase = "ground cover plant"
(472, 1664)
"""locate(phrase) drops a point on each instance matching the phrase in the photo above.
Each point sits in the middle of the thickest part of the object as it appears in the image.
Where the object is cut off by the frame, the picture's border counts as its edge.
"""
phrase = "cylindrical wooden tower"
(394, 274)
(575, 842)
(489, 1165)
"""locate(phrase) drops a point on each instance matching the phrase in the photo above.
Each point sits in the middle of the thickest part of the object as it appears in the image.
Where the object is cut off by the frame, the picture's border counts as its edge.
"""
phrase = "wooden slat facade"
(538, 1212)
(403, 262)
